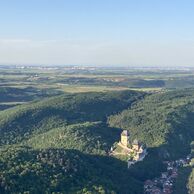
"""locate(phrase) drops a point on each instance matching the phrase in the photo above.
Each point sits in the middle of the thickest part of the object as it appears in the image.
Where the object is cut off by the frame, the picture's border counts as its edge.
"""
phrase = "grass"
(81, 88)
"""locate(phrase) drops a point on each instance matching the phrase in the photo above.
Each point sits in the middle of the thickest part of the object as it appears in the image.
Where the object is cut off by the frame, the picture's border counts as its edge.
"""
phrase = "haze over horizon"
(125, 32)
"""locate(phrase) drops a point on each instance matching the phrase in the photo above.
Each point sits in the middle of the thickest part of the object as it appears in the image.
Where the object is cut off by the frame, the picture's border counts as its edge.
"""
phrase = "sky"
(97, 32)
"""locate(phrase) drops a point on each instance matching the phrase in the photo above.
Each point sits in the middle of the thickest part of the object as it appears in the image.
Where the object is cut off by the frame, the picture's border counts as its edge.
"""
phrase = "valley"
(57, 127)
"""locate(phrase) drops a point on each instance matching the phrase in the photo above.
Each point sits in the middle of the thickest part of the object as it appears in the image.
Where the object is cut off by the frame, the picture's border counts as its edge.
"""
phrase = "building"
(136, 145)
(139, 149)
(125, 138)
(136, 151)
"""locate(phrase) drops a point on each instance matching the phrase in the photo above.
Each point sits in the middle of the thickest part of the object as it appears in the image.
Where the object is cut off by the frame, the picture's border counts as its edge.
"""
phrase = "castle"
(135, 150)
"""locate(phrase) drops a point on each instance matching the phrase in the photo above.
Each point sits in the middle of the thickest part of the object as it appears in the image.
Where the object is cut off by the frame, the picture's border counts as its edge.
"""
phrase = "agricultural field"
(20, 84)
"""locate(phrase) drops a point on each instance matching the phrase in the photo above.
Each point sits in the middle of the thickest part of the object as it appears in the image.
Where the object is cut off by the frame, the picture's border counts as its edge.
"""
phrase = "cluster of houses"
(164, 184)
(135, 151)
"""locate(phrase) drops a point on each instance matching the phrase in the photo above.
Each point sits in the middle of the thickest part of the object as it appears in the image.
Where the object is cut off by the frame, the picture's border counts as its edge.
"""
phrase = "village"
(134, 151)
(164, 183)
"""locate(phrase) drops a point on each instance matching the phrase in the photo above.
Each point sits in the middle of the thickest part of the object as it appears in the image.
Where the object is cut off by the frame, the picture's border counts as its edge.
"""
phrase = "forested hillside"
(21, 122)
(89, 137)
(62, 171)
(185, 181)
(162, 120)
(11, 94)
(62, 146)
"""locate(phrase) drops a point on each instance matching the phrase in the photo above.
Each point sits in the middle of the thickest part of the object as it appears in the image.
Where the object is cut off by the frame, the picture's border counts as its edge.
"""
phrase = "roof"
(125, 133)
(136, 142)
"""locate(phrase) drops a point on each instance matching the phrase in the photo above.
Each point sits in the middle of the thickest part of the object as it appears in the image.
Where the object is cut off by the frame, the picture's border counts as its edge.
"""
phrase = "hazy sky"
(97, 32)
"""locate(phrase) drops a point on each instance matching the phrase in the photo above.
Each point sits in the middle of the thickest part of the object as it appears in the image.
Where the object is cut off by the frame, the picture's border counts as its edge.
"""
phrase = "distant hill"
(11, 94)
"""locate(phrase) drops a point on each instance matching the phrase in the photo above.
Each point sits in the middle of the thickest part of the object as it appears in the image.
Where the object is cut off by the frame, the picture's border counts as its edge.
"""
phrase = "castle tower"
(136, 145)
(125, 138)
